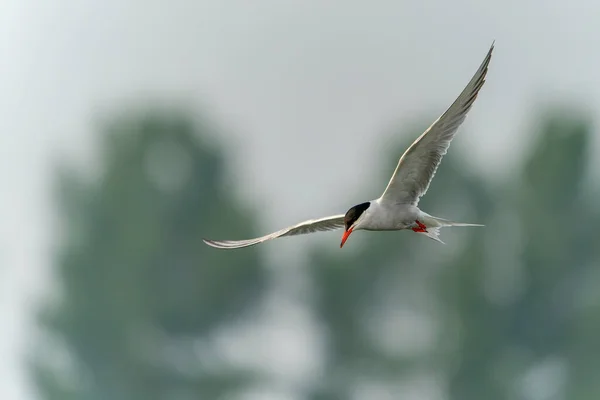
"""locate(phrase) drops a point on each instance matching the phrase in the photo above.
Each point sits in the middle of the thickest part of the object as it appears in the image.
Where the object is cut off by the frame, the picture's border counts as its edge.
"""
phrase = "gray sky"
(305, 89)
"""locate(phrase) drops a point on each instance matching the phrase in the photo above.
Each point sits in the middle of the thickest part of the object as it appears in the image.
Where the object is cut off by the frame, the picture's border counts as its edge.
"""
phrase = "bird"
(397, 208)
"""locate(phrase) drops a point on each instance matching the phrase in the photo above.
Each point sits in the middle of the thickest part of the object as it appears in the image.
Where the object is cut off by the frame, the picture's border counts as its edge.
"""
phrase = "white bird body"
(397, 208)
(381, 216)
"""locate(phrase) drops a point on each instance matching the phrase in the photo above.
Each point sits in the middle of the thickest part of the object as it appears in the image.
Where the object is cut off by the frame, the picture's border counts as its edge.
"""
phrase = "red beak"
(345, 237)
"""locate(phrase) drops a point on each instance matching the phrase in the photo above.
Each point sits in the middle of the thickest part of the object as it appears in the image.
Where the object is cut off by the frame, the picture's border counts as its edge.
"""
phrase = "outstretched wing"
(418, 164)
(313, 225)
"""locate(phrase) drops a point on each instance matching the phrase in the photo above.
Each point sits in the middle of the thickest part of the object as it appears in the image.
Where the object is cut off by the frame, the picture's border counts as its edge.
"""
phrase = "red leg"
(421, 228)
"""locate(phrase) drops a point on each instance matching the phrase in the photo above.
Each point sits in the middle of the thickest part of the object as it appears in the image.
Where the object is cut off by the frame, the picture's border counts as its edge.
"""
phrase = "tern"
(397, 208)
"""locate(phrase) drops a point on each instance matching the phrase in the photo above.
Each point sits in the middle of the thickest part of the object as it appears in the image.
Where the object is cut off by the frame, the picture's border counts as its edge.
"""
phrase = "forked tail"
(433, 225)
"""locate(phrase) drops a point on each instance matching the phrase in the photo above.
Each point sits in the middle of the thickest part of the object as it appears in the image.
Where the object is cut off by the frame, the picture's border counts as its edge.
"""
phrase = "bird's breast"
(392, 218)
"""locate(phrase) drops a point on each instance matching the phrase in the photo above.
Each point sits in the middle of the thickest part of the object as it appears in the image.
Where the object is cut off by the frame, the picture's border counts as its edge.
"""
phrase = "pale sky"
(306, 91)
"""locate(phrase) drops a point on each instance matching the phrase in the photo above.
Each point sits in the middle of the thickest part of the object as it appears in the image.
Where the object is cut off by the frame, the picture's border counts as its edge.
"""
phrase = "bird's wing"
(313, 225)
(418, 164)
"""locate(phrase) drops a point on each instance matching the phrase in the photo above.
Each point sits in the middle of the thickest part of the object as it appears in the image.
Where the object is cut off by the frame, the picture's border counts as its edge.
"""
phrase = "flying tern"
(397, 208)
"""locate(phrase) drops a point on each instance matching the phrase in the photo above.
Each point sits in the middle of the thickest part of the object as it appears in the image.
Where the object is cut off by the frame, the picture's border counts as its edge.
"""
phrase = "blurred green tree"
(381, 303)
(501, 312)
(518, 312)
(139, 294)
(505, 311)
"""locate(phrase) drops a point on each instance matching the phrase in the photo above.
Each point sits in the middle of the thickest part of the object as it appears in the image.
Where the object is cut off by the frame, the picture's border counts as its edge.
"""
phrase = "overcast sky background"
(306, 90)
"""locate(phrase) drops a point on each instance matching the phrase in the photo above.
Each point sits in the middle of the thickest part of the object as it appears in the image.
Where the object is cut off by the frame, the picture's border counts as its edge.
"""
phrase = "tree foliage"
(505, 311)
(138, 288)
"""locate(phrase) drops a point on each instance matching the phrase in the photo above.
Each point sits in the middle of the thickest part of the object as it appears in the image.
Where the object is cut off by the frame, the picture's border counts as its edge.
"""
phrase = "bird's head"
(353, 220)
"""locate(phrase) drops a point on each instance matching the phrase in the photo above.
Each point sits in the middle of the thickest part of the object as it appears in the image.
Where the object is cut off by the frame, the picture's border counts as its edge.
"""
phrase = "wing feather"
(313, 225)
(420, 161)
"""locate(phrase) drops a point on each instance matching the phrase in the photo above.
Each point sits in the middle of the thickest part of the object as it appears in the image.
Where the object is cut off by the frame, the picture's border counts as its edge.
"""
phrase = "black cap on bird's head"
(352, 215)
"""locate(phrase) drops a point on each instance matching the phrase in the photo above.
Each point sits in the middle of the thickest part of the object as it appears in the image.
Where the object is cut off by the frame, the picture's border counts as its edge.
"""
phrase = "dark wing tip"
(217, 244)
(209, 242)
(231, 244)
